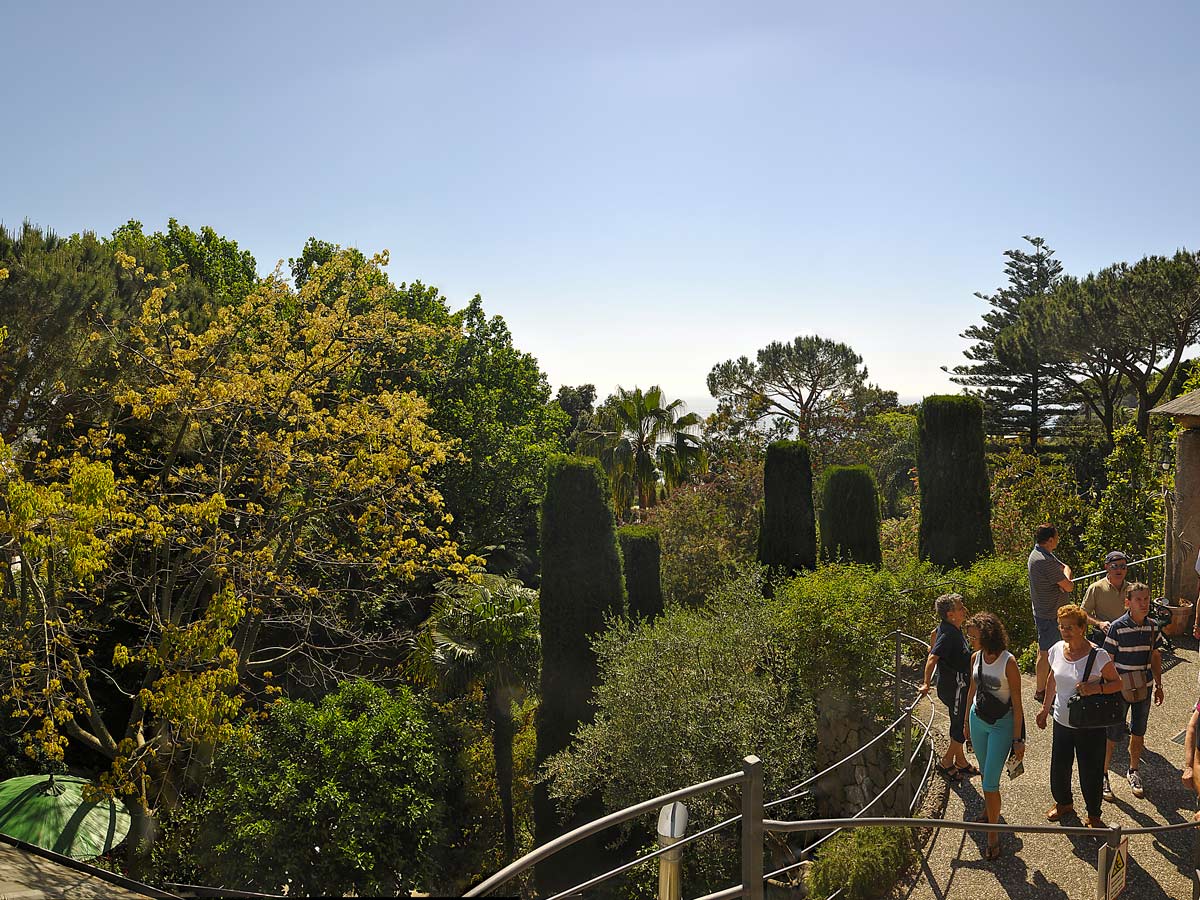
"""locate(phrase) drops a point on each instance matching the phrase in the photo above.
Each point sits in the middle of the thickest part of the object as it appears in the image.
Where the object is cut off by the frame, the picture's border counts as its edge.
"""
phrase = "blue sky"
(642, 190)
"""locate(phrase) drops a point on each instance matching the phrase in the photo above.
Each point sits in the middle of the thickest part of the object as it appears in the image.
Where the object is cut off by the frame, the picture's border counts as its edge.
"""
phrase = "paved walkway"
(1055, 866)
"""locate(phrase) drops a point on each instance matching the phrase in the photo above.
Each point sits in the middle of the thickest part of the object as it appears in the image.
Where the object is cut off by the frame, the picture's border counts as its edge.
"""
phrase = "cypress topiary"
(956, 503)
(850, 515)
(581, 584)
(787, 537)
(641, 556)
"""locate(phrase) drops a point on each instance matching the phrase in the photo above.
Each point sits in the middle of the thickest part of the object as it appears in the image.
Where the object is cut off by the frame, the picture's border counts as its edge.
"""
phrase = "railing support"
(896, 680)
(752, 829)
(672, 823)
(1196, 864)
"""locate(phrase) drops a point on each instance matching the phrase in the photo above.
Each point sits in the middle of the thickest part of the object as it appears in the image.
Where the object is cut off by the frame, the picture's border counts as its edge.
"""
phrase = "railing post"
(906, 790)
(752, 829)
(672, 824)
(896, 681)
(1196, 864)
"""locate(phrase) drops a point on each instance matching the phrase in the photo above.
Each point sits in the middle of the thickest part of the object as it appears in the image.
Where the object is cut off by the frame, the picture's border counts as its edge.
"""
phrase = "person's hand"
(1158, 695)
(1041, 719)
(1019, 750)
(1104, 626)
(923, 690)
(1067, 572)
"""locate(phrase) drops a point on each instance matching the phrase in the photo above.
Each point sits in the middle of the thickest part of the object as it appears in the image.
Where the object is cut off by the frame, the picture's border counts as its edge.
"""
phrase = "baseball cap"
(1115, 555)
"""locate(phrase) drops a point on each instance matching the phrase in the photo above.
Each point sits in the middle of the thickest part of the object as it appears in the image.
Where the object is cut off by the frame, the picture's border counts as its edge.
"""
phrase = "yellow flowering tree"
(241, 500)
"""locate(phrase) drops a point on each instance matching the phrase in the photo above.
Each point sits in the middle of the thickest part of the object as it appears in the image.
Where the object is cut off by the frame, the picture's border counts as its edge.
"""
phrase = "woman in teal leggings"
(996, 724)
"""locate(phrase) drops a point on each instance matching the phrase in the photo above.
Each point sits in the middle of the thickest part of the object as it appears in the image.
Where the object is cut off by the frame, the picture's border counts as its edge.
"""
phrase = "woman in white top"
(1068, 662)
(997, 719)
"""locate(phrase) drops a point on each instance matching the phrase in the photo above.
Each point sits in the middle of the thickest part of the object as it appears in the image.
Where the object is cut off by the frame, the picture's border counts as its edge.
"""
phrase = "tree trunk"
(143, 833)
(500, 712)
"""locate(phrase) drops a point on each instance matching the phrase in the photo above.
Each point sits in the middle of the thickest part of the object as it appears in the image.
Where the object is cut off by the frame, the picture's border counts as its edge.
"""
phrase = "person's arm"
(1089, 610)
(1109, 683)
(930, 664)
(1048, 702)
(970, 698)
(1156, 670)
(1189, 752)
(1065, 584)
(1013, 674)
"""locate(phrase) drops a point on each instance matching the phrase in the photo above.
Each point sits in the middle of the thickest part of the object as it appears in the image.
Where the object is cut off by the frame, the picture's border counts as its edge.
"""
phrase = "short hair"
(946, 603)
(992, 636)
(1043, 533)
(1073, 611)
(1136, 588)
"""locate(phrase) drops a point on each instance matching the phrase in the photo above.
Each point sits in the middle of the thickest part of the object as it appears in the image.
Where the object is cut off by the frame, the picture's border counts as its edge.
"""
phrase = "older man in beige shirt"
(1105, 599)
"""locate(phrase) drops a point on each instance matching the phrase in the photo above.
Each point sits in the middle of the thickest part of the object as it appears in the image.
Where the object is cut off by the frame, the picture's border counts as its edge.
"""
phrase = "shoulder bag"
(988, 706)
(1096, 710)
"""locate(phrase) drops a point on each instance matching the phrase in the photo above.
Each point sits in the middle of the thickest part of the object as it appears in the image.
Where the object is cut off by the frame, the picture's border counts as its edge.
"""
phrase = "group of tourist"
(980, 684)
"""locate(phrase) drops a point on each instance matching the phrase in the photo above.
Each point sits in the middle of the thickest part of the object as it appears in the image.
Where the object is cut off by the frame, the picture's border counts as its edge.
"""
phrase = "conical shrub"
(787, 538)
(956, 504)
(641, 558)
(850, 515)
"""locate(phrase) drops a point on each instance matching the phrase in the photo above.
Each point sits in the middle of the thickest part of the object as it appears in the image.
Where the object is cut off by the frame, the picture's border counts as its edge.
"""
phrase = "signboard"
(1112, 869)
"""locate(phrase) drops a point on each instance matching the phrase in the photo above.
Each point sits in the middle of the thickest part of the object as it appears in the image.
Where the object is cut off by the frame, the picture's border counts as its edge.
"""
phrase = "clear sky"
(641, 189)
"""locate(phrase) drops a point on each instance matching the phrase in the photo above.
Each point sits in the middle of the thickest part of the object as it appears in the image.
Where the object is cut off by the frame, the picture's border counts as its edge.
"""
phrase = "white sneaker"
(1135, 783)
(1108, 791)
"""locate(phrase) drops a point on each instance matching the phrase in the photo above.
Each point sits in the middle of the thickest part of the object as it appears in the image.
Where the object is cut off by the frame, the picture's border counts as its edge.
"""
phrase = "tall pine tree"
(1011, 366)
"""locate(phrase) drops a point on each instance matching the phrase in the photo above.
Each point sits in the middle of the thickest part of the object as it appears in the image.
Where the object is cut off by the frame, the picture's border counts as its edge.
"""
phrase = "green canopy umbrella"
(49, 811)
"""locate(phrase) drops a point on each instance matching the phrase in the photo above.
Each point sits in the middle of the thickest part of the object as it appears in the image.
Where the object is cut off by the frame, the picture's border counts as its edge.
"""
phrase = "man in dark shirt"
(1049, 588)
(951, 656)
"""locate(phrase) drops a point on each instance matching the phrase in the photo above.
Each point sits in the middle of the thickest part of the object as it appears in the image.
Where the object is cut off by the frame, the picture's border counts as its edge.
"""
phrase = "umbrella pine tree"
(581, 585)
(850, 515)
(788, 535)
(956, 505)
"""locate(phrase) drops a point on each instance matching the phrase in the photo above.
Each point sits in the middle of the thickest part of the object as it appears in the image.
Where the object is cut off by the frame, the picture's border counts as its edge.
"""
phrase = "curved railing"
(750, 780)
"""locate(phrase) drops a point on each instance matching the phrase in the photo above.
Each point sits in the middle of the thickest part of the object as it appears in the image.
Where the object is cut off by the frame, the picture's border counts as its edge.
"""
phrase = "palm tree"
(484, 633)
(639, 441)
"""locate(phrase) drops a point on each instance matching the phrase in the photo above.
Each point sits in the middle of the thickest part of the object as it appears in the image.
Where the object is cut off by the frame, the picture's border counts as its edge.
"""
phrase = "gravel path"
(1056, 866)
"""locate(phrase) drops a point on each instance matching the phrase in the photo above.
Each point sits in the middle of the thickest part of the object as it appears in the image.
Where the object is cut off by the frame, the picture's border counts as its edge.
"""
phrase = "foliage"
(888, 445)
(1029, 490)
(709, 530)
(582, 587)
(955, 503)
(1009, 366)
(640, 440)
(578, 403)
(788, 535)
(898, 540)
(862, 863)
(683, 699)
(850, 515)
(999, 585)
(814, 387)
(1130, 514)
(641, 558)
(235, 484)
(484, 633)
(343, 796)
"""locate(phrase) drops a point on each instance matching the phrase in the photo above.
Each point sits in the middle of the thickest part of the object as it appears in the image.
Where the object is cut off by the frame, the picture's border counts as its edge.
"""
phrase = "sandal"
(992, 852)
(950, 773)
(968, 770)
(1056, 812)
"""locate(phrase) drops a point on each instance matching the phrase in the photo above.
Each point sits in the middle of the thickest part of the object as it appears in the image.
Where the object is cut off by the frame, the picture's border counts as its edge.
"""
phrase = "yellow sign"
(1118, 869)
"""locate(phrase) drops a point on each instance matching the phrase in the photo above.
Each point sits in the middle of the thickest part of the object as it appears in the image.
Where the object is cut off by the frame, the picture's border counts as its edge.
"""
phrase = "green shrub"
(641, 559)
(788, 538)
(1130, 514)
(1027, 659)
(850, 515)
(581, 588)
(1000, 586)
(305, 804)
(863, 863)
(1029, 490)
(952, 465)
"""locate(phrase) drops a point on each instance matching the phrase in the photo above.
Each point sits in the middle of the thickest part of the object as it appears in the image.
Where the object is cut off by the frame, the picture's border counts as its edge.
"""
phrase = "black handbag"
(1097, 710)
(988, 706)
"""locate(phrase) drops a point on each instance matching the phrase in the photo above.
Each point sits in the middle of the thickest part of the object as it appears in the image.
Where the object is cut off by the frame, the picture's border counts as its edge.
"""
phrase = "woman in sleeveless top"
(996, 725)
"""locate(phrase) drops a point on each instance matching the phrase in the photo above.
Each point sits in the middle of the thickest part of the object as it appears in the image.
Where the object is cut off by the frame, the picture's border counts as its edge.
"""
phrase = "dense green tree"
(788, 536)
(581, 588)
(952, 463)
(343, 796)
(1130, 513)
(484, 633)
(641, 559)
(850, 515)
(642, 440)
(578, 402)
(1010, 368)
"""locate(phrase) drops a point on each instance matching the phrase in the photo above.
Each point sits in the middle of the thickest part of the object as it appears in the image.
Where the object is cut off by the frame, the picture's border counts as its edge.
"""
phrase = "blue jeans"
(1047, 632)
(992, 745)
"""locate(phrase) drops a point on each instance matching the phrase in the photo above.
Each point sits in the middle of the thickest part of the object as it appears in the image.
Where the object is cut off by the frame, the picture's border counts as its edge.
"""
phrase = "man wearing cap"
(1049, 588)
(1105, 599)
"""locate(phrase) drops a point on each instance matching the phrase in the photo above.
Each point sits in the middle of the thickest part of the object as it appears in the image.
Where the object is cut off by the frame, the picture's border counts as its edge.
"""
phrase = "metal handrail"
(587, 830)
(1105, 571)
(616, 818)
(779, 827)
